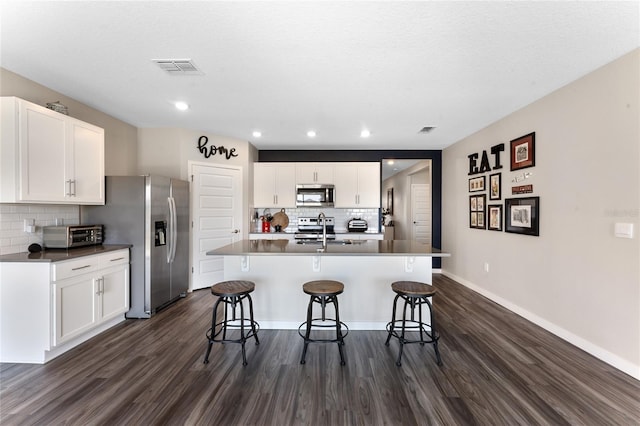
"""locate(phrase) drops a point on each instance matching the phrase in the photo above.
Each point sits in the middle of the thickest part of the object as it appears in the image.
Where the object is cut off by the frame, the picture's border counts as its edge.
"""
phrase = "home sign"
(208, 151)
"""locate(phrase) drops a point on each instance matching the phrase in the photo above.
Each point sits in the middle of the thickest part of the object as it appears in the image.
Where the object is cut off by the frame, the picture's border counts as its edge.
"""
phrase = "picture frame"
(495, 186)
(522, 215)
(494, 214)
(477, 184)
(523, 152)
(390, 200)
(477, 211)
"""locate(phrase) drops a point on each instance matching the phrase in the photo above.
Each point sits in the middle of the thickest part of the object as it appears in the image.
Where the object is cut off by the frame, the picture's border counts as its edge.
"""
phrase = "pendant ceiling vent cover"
(178, 66)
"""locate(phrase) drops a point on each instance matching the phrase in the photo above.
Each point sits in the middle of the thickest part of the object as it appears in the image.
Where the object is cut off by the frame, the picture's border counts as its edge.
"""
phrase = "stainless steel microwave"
(315, 195)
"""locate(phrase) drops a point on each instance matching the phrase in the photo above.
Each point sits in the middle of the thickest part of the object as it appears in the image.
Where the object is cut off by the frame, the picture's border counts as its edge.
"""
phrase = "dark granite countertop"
(56, 255)
(334, 248)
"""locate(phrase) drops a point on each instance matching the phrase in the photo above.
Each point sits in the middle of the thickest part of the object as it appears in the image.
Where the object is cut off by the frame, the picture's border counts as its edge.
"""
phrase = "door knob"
(236, 231)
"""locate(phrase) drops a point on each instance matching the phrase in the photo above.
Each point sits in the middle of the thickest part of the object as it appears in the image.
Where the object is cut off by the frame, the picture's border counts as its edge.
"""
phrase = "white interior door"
(216, 218)
(421, 212)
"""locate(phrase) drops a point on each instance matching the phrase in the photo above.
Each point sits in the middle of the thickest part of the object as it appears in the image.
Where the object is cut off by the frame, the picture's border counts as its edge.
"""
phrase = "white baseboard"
(602, 354)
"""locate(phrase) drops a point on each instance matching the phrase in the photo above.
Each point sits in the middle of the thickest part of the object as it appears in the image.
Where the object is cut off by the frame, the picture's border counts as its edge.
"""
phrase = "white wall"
(576, 279)
(168, 151)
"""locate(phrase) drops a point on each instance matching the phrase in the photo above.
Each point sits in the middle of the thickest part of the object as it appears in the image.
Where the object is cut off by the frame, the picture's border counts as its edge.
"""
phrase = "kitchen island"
(366, 267)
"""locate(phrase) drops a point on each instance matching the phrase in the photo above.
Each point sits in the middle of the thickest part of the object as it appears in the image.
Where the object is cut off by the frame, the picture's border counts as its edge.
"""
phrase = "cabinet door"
(85, 168)
(264, 177)
(346, 177)
(114, 292)
(324, 173)
(369, 185)
(43, 153)
(320, 173)
(74, 306)
(285, 185)
(274, 185)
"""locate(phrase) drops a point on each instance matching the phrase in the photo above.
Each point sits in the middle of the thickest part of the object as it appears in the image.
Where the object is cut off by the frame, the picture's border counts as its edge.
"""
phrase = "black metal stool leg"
(308, 331)
(242, 334)
(402, 337)
(434, 335)
(420, 302)
(212, 331)
(339, 331)
(253, 324)
(393, 319)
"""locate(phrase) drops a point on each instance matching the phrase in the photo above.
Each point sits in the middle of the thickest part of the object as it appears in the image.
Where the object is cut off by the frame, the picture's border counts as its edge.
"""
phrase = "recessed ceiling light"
(390, 162)
(311, 133)
(182, 106)
(257, 134)
(365, 133)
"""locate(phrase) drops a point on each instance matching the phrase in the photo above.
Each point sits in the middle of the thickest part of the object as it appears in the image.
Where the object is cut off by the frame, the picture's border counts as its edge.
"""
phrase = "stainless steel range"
(310, 229)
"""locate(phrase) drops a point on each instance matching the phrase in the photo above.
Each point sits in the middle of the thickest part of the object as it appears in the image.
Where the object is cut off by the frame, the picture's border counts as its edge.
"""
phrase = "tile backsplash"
(341, 217)
(13, 238)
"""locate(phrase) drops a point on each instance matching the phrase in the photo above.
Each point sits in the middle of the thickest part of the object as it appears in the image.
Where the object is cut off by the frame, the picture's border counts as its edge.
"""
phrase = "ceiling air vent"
(427, 129)
(178, 66)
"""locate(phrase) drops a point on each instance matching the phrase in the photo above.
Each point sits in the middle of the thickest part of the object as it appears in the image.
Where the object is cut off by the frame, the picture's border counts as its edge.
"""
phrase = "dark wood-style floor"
(498, 369)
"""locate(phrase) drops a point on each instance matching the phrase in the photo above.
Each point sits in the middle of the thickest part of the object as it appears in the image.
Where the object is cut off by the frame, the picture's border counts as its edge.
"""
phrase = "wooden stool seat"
(232, 288)
(323, 288)
(413, 288)
(232, 294)
(407, 328)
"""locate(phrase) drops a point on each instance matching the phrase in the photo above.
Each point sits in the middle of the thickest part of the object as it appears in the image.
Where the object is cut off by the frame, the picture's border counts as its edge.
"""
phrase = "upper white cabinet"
(320, 173)
(48, 157)
(274, 185)
(358, 185)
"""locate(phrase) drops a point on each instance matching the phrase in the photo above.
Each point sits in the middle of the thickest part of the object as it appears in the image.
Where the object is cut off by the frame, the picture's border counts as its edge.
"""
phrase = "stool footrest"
(395, 329)
(249, 327)
(331, 324)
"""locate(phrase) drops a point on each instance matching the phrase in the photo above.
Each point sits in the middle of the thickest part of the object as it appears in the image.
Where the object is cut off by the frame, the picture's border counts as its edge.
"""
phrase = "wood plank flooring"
(499, 369)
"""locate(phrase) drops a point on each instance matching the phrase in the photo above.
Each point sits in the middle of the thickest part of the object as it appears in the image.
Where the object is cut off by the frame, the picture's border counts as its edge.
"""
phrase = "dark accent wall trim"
(374, 155)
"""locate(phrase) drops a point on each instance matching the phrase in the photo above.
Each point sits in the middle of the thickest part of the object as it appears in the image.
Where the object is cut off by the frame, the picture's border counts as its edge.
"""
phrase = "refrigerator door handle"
(173, 230)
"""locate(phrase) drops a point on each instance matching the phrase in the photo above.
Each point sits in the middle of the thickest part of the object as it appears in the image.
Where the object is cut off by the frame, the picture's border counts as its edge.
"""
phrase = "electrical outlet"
(486, 266)
(30, 225)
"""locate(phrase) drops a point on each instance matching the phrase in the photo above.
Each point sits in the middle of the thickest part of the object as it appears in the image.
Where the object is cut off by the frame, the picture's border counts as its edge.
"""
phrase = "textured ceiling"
(335, 67)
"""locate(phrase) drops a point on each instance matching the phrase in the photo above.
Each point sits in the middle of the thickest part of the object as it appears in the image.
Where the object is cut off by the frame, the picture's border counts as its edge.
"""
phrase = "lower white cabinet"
(74, 300)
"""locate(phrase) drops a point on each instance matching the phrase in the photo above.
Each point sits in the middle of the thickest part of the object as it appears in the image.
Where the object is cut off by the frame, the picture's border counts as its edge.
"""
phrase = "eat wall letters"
(484, 162)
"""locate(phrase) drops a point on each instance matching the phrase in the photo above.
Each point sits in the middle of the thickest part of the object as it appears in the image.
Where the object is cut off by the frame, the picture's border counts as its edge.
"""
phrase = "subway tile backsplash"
(342, 217)
(13, 238)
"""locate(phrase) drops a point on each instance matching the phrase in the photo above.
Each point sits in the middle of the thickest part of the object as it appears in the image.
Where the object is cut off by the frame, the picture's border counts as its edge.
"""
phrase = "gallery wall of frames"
(512, 209)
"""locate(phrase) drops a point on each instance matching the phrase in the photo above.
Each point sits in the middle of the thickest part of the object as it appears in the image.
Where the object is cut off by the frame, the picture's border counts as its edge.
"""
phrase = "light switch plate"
(623, 230)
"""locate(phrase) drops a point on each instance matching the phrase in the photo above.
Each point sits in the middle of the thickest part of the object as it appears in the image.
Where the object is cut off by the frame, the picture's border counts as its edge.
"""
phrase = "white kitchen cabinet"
(48, 157)
(314, 173)
(357, 185)
(48, 308)
(274, 185)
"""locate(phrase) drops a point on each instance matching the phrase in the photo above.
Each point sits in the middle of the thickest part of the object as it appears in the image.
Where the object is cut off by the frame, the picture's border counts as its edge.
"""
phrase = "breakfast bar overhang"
(366, 267)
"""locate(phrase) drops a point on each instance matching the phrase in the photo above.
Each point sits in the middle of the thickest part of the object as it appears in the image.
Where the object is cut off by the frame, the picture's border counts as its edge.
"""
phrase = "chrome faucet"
(324, 229)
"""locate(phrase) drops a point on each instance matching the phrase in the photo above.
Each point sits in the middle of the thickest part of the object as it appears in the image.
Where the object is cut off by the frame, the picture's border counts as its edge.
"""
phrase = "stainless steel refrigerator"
(152, 214)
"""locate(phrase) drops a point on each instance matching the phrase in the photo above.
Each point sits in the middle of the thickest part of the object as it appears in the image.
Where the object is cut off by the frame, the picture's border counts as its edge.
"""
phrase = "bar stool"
(232, 294)
(323, 292)
(415, 295)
